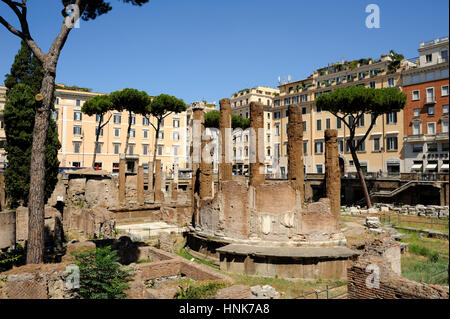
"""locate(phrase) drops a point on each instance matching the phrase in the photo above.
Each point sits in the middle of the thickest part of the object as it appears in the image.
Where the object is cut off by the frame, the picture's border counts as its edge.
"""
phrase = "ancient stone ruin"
(264, 227)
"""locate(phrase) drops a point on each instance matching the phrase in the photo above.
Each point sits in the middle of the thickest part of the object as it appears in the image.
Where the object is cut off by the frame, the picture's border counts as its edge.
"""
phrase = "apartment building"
(426, 115)
(77, 133)
(2, 129)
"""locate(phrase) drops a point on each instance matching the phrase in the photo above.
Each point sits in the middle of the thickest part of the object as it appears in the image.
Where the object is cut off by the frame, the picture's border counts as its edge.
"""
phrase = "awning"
(417, 166)
(431, 166)
(444, 167)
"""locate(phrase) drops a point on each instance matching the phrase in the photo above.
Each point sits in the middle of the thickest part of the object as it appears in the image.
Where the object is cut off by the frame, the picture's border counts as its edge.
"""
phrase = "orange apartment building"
(426, 114)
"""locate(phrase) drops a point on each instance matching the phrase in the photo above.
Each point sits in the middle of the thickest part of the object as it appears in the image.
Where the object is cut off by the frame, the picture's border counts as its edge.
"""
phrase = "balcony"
(442, 137)
(415, 138)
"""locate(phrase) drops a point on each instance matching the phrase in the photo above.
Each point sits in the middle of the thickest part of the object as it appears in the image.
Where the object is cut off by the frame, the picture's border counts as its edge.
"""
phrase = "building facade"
(426, 115)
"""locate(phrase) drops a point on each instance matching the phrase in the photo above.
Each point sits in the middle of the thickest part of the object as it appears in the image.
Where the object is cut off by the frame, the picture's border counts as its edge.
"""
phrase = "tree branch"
(162, 118)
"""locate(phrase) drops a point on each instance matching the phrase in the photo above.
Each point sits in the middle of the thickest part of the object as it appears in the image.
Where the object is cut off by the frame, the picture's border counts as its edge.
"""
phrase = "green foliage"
(94, 8)
(359, 99)
(394, 65)
(433, 256)
(202, 291)
(130, 100)
(23, 83)
(101, 275)
(72, 88)
(237, 121)
(144, 261)
(16, 257)
(163, 104)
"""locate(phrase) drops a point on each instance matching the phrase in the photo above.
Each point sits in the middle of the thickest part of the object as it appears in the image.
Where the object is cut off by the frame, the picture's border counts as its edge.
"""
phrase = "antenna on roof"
(342, 60)
(289, 79)
(279, 80)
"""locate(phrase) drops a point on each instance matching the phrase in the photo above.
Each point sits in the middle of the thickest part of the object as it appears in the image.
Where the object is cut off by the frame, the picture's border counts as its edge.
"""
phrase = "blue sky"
(208, 49)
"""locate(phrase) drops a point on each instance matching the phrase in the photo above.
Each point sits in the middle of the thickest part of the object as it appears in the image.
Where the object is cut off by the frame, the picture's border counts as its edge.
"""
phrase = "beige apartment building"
(382, 150)
(77, 133)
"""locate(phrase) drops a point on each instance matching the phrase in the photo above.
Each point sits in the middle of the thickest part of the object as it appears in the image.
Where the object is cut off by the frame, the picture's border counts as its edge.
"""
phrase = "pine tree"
(23, 83)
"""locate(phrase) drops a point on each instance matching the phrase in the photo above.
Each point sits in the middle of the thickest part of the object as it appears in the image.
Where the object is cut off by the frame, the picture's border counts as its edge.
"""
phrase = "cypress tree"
(23, 83)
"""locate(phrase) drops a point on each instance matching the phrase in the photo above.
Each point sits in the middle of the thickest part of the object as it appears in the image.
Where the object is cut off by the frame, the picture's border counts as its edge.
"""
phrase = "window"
(391, 118)
(132, 133)
(98, 148)
(133, 119)
(318, 147)
(432, 147)
(444, 90)
(160, 149)
(175, 150)
(351, 120)
(76, 164)
(417, 148)
(276, 103)
(57, 101)
(372, 84)
(429, 58)
(444, 56)
(431, 128)
(304, 126)
(305, 147)
(361, 121)
(277, 129)
(373, 118)
(175, 136)
(431, 110)
(268, 138)
(287, 101)
(303, 110)
(430, 95)
(304, 98)
(117, 118)
(55, 114)
(98, 165)
(116, 132)
(376, 144)
(246, 115)
(444, 123)
(131, 149)
(416, 128)
(445, 109)
(416, 95)
(77, 130)
(318, 109)
(145, 133)
(76, 147)
(319, 168)
(286, 114)
(144, 149)
(96, 131)
(392, 143)
(416, 112)
(391, 82)
(340, 146)
(328, 124)
(116, 148)
(361, 147)
(338, 123)
(276, 115)
(76, 115)
(78, 103)
(268, 116)
(444, 147)
(145, 121)
(160, 135)
(176, 123)
(319, 125)
(162, 122)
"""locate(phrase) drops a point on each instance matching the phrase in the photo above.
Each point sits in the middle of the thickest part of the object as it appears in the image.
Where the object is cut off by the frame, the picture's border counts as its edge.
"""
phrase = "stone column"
(225, 166)
(174, 185)
(197, 132)
(206, 174)
(257, 172)
(140, 185)
(295, 149)
(332, 171)
(159, 195)
(122, 178)
(150, 176)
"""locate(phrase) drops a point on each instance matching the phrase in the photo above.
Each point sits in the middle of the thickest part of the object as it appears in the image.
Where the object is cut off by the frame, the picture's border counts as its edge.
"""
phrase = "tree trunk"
(128, 133)
(97, 136)
(158, 127)
(35, 245)
(361, 177)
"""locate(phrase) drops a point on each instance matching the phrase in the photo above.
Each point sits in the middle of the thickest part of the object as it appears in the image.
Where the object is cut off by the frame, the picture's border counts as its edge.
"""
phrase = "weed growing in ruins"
(143, 261)
(16, 257)
(101, 275)
(202, 291)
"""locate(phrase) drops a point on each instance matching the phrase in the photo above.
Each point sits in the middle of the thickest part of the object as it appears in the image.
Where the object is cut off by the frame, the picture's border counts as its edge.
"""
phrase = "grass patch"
(291, 288)
(200, 291)
(426, 260)
(143, 261)
(184, 252)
